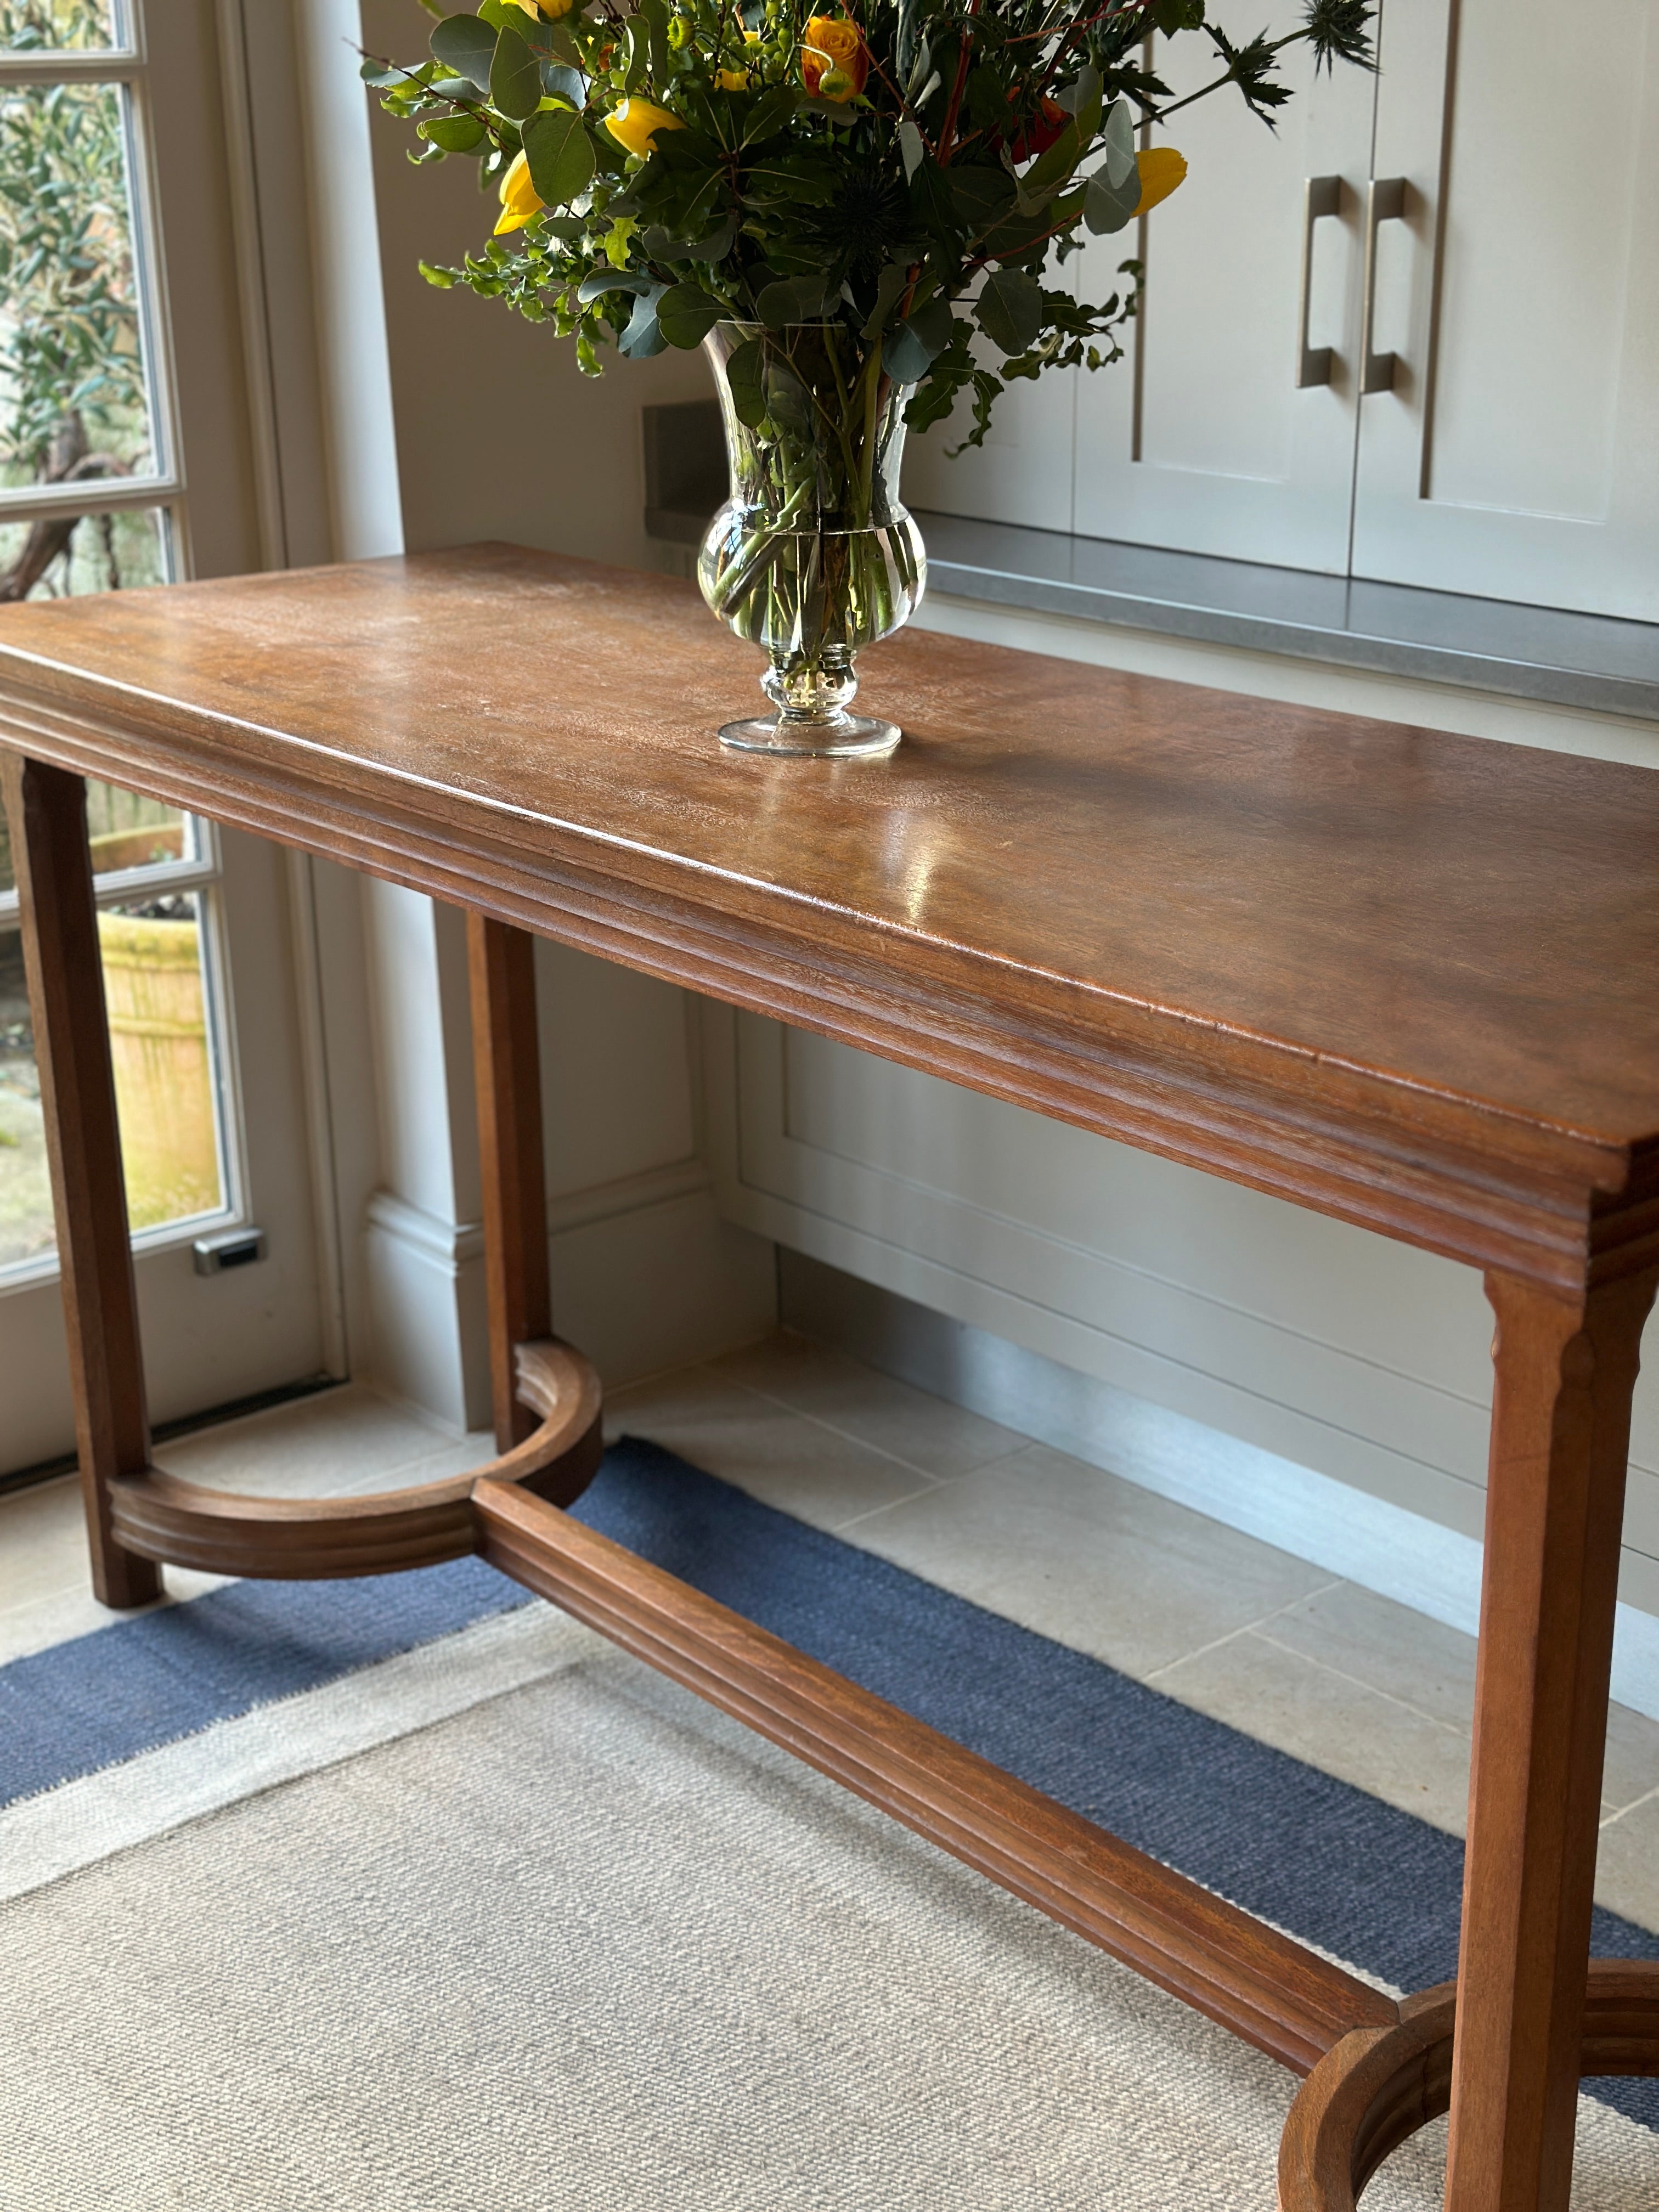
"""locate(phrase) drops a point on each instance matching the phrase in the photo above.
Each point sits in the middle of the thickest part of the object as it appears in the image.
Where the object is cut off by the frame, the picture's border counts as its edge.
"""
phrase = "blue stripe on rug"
(1336, 1866)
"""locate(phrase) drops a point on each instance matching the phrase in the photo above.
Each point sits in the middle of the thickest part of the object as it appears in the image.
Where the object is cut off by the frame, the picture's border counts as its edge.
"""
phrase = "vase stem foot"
(838, 737)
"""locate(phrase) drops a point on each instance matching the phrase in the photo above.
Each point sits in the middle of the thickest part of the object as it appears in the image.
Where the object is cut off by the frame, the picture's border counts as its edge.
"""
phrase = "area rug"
(413, 1896)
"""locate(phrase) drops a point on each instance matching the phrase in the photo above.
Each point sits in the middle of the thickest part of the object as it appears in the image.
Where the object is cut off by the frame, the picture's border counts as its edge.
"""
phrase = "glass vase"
(813, 555)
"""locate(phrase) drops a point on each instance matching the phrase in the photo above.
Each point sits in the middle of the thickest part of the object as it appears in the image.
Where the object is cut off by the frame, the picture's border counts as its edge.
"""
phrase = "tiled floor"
(1346, 1680)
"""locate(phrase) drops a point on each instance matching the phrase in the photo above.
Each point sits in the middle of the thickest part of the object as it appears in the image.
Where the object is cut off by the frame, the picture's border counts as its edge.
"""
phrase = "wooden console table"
(1405, 979)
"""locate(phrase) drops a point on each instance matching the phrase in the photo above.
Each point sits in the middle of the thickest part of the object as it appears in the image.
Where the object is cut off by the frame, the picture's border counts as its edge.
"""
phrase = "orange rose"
(833, 60)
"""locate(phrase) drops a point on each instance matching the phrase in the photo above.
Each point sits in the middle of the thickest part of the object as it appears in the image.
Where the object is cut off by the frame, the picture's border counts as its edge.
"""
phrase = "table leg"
(507, 1070)
(1565, 1368)
(46, 808)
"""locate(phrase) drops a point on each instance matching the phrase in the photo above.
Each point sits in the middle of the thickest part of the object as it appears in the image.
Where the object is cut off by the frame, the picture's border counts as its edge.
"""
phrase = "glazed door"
(126, 462)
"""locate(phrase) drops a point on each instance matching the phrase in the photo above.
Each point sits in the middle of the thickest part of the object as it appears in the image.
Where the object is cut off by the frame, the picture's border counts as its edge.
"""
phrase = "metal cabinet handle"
(1323, 196)
(1385, 201)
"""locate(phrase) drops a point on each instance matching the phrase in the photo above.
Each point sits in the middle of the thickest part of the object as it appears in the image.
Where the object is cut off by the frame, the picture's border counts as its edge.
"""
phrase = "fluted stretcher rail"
(1259, 1984)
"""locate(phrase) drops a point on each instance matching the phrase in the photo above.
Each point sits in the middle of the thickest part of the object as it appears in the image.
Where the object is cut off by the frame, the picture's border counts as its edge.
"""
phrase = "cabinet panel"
(1517, 454)
(1024, 470)
(1206, 442)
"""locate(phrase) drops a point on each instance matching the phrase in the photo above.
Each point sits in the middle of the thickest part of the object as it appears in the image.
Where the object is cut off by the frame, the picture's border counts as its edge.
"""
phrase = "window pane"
(65, 557)
(130, 832)
(126, 832)
(74, 396)
(162, 1049)
(44, 26)
(165, 1090)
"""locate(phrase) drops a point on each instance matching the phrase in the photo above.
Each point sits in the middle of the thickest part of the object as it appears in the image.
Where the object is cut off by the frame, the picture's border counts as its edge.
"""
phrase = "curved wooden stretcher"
(1261, 947)
(158, 1517)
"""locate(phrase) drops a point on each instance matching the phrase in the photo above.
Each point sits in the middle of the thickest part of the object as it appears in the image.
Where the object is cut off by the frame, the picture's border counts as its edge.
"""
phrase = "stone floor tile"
(941, 1439)
(1632, 1764)
(336, 1442)
(1386, 1646)
(1087, 1558)
(1627, 1865)
(1339, 1725)
(778, 1457)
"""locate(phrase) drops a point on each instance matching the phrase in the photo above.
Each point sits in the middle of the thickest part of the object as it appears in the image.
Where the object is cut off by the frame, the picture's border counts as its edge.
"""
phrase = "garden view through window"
(85, 507)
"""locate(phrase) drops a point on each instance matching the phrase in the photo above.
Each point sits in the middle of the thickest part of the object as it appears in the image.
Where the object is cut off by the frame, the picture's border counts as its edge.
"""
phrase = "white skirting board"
(646, 1275)
(1381, 1547)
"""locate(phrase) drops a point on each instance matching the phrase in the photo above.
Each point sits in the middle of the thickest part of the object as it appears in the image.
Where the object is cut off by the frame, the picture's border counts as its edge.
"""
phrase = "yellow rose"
(637, 123)
(736, 79)
(554, 8)
(834, 60)
(1161, 170)
(519, 196)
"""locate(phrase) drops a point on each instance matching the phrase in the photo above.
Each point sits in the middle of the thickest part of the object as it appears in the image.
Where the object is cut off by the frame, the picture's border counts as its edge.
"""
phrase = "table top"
(1406, 977)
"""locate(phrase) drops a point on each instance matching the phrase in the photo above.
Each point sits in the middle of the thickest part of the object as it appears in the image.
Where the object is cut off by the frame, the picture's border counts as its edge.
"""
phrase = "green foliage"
(71, 363)
(954, 158)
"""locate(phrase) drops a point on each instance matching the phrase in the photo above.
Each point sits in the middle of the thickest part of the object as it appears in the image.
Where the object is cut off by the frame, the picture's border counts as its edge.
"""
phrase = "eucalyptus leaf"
(1085, 103)
(743, 380)
(552, 43)
(455, 134)
(560, 154)
(642, 338)
(637, 38)
(910, 350)
(559, 81)
(788, 402)
(982, 195)
(890, 283)
(515, 78)
(660, 245)
(466, 46)
(1044, 178)
(1108, 207)
(686, 314)
(1119, 142)
(598, 282)
(791, 299)
(904, 38)
(911, 149)
(655, 13)
(1009, 310)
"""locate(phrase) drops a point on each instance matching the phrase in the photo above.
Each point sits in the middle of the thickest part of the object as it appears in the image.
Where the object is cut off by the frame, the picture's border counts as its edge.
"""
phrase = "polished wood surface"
(1382, 971)
(46, 810)
(1264, 1987)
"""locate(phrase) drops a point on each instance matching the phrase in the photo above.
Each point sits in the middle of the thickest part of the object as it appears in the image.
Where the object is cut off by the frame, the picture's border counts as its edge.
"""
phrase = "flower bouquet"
(864, 216)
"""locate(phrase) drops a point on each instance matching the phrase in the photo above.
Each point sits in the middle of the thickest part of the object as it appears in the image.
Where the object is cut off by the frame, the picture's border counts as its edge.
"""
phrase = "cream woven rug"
(510, 1924)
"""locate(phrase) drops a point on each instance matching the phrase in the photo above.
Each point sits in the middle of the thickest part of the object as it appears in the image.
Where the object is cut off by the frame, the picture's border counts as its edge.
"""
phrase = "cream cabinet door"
(1516, 454)
(1023, 473)
(1205, 440)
